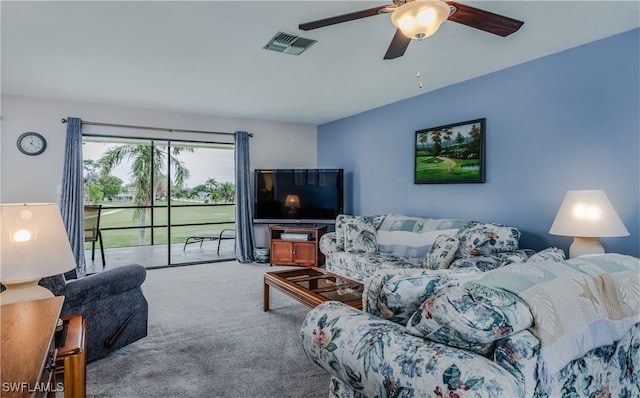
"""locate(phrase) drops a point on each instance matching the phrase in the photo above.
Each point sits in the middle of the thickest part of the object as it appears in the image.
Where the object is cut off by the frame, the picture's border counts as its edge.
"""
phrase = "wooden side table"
(71, 360)
(27, 349)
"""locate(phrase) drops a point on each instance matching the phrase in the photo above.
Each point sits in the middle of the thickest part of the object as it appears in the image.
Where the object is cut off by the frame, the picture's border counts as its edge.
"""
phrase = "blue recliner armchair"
(111, 301)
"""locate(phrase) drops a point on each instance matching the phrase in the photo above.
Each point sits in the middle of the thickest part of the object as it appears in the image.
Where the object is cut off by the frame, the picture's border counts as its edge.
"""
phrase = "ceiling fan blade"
(398, 45)
(484, 20)
(342, 18)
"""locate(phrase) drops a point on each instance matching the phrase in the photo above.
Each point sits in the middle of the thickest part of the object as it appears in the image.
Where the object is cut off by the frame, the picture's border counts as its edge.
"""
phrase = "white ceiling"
(206, 57)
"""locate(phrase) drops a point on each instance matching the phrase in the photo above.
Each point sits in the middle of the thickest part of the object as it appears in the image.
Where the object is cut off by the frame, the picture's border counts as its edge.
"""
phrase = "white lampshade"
(33, 244)
(587, 215)
(420, 18)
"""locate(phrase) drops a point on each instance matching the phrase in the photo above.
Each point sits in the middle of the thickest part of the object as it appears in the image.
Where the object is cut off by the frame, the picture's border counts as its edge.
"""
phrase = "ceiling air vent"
(288, 44)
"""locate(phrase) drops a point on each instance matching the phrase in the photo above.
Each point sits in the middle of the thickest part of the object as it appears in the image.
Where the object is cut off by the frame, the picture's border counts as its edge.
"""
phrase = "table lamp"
(33, 244)
(293, 203)
(587, 215)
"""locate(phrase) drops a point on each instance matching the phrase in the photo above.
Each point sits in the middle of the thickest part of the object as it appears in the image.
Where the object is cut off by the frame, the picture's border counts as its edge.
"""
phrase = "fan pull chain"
(418, 73)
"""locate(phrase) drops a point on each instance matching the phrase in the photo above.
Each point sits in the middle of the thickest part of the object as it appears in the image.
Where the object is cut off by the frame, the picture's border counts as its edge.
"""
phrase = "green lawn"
(179, 215)
(430, 168)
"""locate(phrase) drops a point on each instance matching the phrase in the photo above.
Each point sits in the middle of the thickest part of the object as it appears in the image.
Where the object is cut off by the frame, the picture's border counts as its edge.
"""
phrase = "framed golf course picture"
(450, 154)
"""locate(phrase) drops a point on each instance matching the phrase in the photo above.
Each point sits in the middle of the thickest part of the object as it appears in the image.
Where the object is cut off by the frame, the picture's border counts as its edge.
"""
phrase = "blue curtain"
(71, 201)
(244, 213)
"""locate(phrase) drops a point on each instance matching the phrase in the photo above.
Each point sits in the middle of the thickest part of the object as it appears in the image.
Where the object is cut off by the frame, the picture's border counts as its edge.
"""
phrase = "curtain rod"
(152, 128)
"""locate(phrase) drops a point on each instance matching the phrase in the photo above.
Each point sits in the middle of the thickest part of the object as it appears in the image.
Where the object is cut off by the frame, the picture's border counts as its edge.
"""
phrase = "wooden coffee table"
(312, 286)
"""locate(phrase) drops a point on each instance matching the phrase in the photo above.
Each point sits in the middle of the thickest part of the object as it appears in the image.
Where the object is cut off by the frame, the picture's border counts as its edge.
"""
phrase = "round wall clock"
(31, 143)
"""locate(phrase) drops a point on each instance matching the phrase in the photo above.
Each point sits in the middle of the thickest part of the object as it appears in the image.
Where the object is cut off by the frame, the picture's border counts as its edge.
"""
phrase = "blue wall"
(567, 121)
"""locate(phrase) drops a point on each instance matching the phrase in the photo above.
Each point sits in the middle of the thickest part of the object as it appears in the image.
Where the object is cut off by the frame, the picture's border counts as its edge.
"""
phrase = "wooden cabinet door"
(305, 253)
(282, 252)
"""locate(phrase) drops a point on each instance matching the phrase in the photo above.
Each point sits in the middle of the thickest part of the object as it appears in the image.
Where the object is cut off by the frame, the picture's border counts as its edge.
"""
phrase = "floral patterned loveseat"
(362, 245)
(544, 329)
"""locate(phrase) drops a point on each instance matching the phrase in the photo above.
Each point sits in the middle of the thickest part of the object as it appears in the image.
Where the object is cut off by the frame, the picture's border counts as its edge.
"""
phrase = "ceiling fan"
(401, 10)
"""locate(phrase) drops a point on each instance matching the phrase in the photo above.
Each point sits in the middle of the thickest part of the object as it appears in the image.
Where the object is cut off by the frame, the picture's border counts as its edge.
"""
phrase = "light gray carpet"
(209, 337)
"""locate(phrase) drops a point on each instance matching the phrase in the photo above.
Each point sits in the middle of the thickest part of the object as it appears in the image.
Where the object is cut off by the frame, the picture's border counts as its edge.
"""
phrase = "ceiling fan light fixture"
(420, 18)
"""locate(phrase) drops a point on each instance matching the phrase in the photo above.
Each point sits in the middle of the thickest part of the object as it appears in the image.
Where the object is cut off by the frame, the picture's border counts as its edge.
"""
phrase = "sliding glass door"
(155, 194)
(201, 205)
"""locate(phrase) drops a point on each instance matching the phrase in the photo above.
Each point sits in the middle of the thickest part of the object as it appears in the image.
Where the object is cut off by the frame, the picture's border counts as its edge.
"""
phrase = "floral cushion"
(361, 266)
(518, 354)
(478, 238)
(493, 261)
(413, 236)
(343, 219)
(328, 243)
(442, 252)
(548, 254)
(359, 238)
(396, 294)
(470, 317)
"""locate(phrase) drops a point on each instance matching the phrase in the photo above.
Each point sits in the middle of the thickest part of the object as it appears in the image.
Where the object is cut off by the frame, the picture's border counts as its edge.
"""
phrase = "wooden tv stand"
(286, 251)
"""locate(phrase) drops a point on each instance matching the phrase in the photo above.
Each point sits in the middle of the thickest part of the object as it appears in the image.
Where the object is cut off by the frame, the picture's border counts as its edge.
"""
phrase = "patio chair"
(92, 231)
(225, 234)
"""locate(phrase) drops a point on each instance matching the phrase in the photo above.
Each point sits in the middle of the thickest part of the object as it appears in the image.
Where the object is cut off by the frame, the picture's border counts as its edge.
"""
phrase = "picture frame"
(450, 154)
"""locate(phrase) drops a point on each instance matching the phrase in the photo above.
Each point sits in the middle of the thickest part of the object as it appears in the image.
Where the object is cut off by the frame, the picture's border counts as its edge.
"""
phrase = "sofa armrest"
(396, 294)
(378, 358)
(104, 284)
(328, 243)
(518, 354)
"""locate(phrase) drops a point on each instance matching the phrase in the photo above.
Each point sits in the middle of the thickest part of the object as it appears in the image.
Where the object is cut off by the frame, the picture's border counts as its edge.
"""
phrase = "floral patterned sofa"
(544, 329)
(362, 245)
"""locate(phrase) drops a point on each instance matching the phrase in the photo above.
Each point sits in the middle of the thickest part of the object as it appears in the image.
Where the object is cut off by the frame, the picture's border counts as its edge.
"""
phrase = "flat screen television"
(298, 195)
